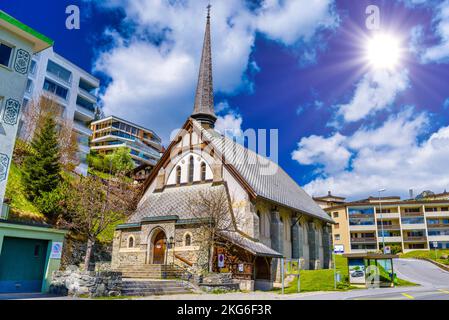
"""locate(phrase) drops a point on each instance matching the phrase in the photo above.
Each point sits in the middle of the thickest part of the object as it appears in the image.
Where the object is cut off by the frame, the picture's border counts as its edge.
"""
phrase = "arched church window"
(203, 171)
(188, 240)
(260, 223)
(178, 175)
(131, 242)
(191, 169)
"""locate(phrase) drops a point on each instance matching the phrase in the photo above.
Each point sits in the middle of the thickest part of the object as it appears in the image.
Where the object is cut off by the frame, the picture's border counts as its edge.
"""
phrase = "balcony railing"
(363, 240)
(389, 227)
(412, 214)
(438, 225)
(88, 94)
(415, 239)
(360, 215)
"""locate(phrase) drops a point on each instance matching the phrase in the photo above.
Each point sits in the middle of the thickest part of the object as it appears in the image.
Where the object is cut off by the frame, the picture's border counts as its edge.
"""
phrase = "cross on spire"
(204, 98)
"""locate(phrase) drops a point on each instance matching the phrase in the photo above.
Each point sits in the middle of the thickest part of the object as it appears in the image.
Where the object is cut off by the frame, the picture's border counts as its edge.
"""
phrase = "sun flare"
(383, 51)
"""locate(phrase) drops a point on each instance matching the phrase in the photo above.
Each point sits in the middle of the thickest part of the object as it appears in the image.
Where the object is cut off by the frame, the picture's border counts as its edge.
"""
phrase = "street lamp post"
(381, 221)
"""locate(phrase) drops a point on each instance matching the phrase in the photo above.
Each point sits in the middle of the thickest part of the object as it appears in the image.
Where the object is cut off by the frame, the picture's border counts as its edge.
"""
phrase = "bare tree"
(214, 212)
(34, 116)
(92, 206)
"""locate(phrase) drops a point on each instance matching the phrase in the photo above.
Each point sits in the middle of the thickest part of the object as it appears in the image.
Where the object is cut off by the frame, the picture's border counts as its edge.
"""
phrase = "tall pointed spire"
(204, 97)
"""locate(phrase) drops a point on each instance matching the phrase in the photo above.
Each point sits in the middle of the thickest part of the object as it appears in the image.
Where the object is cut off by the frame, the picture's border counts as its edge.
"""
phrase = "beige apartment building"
(418, 224)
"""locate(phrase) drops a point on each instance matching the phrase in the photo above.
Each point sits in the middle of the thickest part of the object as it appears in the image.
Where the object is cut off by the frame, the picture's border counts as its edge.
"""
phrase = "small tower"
(204, 98)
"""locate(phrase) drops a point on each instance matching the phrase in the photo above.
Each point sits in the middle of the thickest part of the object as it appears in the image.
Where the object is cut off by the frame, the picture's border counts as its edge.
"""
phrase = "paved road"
(434, 285)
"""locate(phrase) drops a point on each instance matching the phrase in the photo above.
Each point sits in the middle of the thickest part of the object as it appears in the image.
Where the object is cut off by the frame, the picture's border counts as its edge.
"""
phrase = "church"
(268, 215)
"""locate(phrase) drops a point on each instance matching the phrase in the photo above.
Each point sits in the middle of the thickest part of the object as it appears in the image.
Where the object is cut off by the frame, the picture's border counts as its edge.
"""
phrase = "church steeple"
(204, 97)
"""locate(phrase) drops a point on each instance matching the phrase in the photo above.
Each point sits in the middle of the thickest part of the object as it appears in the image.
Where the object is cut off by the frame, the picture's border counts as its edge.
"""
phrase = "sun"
(383, 51)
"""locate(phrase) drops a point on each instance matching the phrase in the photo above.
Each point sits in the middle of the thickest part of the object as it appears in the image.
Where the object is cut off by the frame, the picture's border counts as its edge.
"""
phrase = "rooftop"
(40, 41)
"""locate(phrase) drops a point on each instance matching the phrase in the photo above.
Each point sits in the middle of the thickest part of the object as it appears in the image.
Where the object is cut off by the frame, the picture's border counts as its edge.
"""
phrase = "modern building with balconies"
(72, 88)
(418, 224)
(112, 133)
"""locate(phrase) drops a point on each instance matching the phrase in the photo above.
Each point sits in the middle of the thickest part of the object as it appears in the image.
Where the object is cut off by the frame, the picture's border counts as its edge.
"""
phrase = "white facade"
(17, 43)
(72, 87)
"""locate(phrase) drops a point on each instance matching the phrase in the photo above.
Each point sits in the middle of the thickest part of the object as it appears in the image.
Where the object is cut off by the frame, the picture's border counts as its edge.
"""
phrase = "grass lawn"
(323, 280)
(429, 254)
(15, 191)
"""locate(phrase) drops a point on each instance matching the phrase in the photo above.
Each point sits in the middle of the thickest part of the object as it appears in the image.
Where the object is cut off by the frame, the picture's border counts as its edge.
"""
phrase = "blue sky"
(292, 65)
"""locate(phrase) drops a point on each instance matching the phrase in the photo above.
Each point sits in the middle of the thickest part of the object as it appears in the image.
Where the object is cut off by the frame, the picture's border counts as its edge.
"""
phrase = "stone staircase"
(150, 271)
(140, 288)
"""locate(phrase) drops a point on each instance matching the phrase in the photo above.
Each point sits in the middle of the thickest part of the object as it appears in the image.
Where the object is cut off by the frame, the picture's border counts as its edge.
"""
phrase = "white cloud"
(230, 125)
(328, 152)
(287, 21)
(153, 82)
(390, 156)
(440, 52)
(376, 91)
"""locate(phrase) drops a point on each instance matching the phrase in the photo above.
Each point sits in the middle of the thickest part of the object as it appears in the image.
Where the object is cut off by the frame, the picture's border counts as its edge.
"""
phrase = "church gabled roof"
(172, 201)
(276, 185)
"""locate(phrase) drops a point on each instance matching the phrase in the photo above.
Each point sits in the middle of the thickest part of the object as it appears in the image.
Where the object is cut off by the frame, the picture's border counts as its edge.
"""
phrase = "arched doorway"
(159, 247)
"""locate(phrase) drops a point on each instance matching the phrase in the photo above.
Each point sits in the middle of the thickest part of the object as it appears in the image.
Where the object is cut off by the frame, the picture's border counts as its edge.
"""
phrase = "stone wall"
(73, 282)
(219, 281)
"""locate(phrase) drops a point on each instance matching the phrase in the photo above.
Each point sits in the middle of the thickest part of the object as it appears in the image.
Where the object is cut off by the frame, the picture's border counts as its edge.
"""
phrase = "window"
(191, 169)
(260, 222)
(5, 54)
(337, 237)
(57, 90)
(336, 215)
(29, 87)
(337, 226)
(131, 242)
(432, 209)
(33, 67)
(58, 71)
(178, 175)
(203, 171)
(444, 209)
(188, 240)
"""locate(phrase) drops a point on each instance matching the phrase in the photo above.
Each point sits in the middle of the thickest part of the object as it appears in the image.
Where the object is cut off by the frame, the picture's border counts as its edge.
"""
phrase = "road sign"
(387, 250)
(339, 248)
(221, 259)
(435, 244)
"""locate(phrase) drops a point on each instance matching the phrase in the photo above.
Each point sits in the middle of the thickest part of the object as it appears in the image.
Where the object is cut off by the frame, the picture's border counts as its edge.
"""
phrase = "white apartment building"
(74, 89)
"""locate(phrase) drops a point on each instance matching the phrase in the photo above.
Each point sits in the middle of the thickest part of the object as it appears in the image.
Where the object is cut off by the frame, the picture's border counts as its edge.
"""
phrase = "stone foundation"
(219, 281)
(94, 284)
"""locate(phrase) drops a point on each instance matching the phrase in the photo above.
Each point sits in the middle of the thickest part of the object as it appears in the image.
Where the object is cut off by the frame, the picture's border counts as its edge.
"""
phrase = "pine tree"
(42, 168)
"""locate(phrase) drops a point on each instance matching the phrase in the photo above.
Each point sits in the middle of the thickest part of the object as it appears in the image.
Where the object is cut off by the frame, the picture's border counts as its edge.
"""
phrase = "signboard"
(221, 259)
(339, 249)
(356, 271)
(292, 267)
(241, 267)
(387, 250)
(56, 250)
(435, 244)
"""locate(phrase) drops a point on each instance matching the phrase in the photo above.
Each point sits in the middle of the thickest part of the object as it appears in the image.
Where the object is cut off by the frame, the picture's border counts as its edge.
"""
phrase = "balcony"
(412, 214)
(81, 128)
(390, 215)
(390, 239)
(415, 239)
(363, 240)
(439, 238)
(389, 227)
(85, 114)
(413, 226)
(437, 214)
(87, 95)
(360, 227)
(438, 225)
